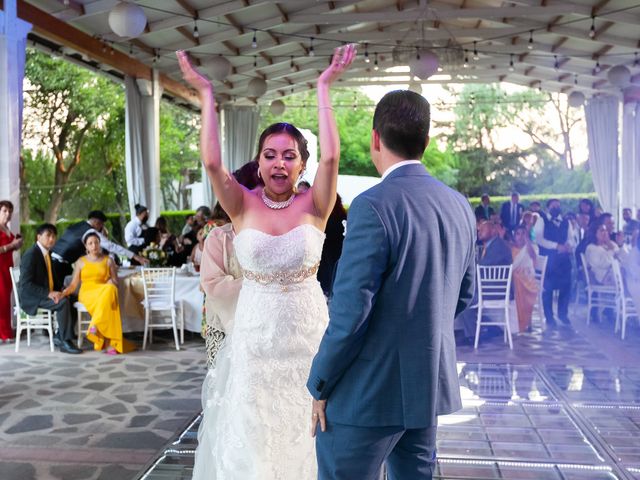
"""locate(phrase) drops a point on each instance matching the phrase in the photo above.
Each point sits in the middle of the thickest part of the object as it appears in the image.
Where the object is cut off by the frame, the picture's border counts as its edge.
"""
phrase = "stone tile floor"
(564, 404)
(93, 416)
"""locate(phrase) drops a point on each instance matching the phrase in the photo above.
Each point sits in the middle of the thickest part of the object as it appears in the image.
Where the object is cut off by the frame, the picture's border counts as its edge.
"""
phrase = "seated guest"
(196, 253)
(188, 224)
(70, 248)
(332, 247)
(169, 243)
(98, 278)
(494, 251)
(303, 186)
(585, 207)
(524, 276)
(39, 287)
(600, 254)
(484, 210)
(219, 217)
(200, 219)
(630, 259)
(629, 223)
(535, 207)
(9, 243)
(133, 231)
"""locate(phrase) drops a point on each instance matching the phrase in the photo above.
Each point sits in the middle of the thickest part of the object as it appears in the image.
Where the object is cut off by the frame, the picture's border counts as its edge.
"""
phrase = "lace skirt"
(256, 407)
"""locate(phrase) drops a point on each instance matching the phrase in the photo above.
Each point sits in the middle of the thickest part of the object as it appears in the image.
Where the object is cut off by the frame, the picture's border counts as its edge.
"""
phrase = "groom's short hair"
(402, 120)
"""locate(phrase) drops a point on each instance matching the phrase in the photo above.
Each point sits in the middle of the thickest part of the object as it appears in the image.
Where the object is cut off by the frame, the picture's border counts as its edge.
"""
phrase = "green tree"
(67, 102)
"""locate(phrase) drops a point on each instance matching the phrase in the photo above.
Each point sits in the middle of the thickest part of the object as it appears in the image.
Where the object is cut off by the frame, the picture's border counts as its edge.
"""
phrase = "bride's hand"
(192, 76)
(342, 59)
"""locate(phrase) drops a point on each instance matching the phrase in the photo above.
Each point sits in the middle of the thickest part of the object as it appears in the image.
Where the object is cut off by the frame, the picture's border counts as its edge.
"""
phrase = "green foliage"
(354, 125)
(441, 164)
(179, 153)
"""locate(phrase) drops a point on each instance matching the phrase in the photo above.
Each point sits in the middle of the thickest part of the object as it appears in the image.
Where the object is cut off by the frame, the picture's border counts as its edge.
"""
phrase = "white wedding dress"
(257, 410)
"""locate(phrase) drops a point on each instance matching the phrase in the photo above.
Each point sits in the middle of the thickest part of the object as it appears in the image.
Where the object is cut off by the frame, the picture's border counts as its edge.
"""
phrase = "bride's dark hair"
(290, 130)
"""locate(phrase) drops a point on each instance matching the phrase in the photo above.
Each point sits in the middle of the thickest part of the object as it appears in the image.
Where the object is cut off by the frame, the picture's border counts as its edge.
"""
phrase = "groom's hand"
(317, 415)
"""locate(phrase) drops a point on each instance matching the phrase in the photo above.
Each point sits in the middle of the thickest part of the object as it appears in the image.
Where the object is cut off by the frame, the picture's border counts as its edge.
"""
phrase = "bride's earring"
(259, 174)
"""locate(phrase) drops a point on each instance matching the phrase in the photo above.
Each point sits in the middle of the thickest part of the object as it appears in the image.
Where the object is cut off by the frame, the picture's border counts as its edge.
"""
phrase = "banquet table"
(131, 294)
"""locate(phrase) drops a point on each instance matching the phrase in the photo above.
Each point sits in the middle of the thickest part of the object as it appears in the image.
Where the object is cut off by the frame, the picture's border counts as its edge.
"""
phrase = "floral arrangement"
(156, 256)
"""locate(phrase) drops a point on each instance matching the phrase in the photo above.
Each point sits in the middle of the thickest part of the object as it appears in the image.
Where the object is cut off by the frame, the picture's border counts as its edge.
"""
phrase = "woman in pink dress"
(8, 244)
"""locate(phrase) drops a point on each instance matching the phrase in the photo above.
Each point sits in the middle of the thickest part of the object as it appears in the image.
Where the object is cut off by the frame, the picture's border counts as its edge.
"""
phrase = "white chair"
(42, 320)
(81, 309)
(598, 296)
(160, 296)
(540, 274)
(494, 287)
(626, 308)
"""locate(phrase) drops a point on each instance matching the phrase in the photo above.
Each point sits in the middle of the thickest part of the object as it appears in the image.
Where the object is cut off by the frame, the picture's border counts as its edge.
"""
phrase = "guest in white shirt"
(600, 256)
(133, 232)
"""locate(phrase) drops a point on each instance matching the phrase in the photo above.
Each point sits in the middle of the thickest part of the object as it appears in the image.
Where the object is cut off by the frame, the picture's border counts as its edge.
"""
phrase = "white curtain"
(239, 135)
(630, 174)
(142, 138)
(602, 133)
(13, 38)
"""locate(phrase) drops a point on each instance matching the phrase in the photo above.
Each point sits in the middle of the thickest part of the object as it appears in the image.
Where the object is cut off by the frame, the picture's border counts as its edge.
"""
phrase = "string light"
(375, 61)
(366, 53)
(575, 79)
(254, 42)
(636, 61)
(556, 65)
(255, 61)
(312, 52)
(196, 34)
(131, 49)
(475, 51)
(597, 68)
(592, 30)
(530, 45)
(466, 59)
(291, 65)
(511, 67)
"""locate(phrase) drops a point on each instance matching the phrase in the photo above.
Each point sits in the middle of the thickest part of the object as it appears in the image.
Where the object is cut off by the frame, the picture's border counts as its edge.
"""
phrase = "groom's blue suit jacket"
(388, 356)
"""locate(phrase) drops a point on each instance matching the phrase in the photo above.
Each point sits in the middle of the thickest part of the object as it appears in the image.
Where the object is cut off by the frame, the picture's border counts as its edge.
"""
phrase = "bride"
(256, 407)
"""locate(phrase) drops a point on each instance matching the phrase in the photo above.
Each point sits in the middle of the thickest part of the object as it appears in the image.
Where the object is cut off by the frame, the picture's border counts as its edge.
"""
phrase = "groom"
(386, 366)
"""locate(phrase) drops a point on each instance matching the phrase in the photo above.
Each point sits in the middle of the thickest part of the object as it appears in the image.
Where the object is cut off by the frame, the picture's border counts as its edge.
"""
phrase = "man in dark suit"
(493, 251)
(39, 287)
(386, 366)
(511, 212)
(70, 246)
(484, 210)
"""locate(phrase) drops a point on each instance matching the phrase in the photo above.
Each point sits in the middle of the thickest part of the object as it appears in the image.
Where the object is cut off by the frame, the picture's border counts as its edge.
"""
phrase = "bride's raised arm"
(325, 183)
(227, 189)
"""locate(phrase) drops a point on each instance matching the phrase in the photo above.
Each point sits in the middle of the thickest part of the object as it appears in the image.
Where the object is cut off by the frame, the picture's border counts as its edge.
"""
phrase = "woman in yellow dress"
(98, 280)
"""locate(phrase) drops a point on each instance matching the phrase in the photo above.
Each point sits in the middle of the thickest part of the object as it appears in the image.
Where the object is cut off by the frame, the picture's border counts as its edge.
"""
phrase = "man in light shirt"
(133, 231)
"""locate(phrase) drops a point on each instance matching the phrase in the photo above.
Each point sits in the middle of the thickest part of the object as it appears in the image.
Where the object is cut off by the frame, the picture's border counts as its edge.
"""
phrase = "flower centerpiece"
(156, 256)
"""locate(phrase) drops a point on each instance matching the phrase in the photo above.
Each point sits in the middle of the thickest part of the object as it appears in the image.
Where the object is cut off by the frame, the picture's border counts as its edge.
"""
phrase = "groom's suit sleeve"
(365, 255)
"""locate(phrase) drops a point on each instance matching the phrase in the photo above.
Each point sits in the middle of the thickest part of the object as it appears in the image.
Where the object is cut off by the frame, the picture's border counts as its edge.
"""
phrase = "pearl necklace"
(277, 205)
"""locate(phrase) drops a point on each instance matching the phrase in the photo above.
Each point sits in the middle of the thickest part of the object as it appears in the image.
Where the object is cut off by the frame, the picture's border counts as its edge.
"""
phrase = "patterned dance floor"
(563, 405)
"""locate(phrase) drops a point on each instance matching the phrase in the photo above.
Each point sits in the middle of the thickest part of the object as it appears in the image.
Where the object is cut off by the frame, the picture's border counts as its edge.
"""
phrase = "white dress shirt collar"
(44, 251)
(398, 165)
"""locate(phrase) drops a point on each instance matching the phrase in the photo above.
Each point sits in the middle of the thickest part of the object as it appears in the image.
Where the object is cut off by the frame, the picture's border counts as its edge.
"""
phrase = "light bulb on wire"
(475, 51)
(592, 30)
(530, 44)
(254, 41)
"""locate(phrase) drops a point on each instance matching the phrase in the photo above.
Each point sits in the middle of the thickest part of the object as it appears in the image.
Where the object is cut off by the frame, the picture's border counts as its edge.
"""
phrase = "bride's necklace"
(277, 205)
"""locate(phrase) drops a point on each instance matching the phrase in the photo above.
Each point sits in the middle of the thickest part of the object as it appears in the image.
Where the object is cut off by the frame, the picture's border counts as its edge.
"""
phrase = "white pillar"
(13, 35)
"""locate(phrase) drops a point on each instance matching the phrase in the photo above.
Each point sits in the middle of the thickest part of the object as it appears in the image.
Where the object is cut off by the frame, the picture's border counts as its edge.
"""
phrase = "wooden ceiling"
(555, 45)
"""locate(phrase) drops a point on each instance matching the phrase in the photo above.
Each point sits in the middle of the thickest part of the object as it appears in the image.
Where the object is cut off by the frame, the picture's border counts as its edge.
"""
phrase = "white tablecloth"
(131, 294)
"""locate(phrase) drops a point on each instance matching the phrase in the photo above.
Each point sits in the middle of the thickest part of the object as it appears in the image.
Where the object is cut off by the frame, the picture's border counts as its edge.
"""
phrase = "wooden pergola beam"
(62, 33)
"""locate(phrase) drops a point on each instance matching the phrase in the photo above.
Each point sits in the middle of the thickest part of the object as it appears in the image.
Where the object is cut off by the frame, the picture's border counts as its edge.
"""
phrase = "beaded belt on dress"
(282, 279)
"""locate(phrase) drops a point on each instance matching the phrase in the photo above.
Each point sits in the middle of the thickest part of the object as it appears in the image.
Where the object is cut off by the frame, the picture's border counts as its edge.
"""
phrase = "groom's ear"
(375, 141)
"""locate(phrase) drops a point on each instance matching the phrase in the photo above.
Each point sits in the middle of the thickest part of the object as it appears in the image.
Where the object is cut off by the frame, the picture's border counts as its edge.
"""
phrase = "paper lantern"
(127, 20)
(619, 76)
(277, 107)
(219, 68)
(425, 66)
(576, 99)
(257, 87)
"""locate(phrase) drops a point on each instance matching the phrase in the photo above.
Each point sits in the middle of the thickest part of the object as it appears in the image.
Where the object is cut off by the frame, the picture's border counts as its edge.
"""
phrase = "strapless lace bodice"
(256, 406)
(297, 249)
